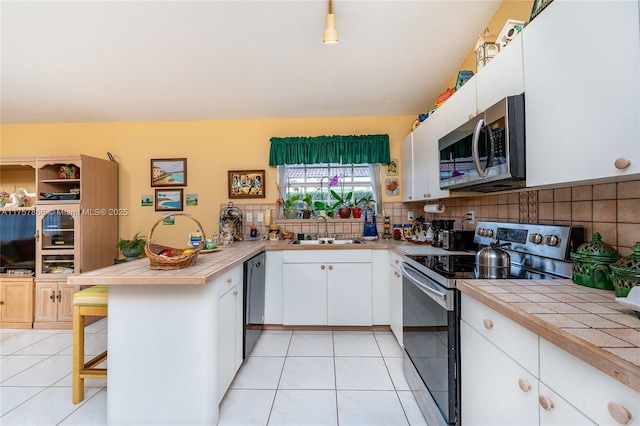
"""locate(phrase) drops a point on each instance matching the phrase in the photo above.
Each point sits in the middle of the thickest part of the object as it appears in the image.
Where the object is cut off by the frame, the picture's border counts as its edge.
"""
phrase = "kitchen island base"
(162, 355)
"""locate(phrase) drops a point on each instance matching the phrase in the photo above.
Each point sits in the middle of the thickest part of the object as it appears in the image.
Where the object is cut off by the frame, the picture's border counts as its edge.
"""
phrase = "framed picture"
(169, 172)
(168, 200)
(246, 184)
(392, 168)
(392, 186)
(538, 6)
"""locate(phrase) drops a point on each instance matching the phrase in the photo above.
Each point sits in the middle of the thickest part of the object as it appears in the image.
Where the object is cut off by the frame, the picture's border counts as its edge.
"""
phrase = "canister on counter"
(274, 232)
(387, 228)
(397, 231)
(408, 231)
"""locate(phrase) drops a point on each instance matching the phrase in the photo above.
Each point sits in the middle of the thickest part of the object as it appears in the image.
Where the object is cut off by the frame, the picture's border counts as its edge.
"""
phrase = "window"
(314, 179)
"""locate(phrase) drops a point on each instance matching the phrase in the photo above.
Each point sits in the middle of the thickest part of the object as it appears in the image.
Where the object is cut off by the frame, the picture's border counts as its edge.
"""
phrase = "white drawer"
(585, 387)
(513, 339)
(337, 256)
(395, 259)
(228, 280)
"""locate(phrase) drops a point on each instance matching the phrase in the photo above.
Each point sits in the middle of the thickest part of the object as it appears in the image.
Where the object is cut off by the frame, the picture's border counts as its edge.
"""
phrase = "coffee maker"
(437, 226)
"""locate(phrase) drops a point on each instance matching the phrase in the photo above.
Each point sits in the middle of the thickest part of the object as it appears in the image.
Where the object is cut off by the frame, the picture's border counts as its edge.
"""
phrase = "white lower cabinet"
(230, 327)
(328, 287)
(498, 388)
(395, 296)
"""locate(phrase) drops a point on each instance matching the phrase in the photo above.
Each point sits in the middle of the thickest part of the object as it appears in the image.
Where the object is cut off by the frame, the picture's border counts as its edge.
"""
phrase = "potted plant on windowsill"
(364, 203)
(131, 249)
(344, 204)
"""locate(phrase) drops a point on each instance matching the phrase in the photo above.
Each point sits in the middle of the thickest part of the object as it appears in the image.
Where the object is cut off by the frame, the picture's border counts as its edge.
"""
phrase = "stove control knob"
(551, 240)
(480, 231)
(535, 238)
(488, 233)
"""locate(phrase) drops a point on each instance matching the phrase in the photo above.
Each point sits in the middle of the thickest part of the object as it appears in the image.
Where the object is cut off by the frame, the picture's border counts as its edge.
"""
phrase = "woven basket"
(180, 259)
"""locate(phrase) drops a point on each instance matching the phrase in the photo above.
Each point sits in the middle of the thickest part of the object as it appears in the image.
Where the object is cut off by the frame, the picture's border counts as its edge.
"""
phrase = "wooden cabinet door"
(16, 302)
(46, 304)
(349, 294)
(581, 91)
(491, 384)
(64, 297)
(304, 293)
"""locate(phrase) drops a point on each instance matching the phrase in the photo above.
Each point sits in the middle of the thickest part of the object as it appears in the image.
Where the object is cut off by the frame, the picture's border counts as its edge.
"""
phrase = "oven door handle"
(432, 290)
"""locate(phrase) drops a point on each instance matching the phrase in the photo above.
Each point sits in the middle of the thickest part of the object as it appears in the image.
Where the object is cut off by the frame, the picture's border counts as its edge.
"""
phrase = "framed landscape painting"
(169, 200)
(169, 172)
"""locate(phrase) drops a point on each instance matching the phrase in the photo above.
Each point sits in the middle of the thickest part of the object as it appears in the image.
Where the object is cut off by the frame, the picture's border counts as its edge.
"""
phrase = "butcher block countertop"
(586, 322)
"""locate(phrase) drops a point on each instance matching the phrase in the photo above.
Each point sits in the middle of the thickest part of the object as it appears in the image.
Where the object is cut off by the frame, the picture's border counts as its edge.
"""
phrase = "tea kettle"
(492, 262)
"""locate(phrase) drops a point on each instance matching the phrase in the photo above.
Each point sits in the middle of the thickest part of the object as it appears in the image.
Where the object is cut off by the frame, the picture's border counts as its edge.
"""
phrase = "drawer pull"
(322, 267)
(229, 280)
(619, 413)
(488, 324)
(524, 384)
(545, 402)
(235, 292)
(331, 267)
(622, 163)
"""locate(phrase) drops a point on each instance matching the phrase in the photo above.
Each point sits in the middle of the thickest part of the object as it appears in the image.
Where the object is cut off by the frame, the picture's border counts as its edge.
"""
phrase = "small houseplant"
(131, 249)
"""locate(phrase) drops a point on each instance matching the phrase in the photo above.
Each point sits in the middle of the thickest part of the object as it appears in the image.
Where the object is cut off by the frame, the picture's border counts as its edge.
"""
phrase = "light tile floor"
(291, 378)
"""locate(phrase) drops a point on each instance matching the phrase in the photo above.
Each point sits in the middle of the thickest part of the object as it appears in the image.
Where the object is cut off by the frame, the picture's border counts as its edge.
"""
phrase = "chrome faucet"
(326, 227)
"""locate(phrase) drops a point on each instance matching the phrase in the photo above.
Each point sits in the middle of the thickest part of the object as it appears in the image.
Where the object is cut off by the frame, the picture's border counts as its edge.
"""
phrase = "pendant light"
(330, 35)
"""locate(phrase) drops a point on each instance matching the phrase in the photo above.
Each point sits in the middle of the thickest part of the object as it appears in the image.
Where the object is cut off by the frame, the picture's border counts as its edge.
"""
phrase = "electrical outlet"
(249, 217)
(260, 217)
(472, 216)
(410, 216)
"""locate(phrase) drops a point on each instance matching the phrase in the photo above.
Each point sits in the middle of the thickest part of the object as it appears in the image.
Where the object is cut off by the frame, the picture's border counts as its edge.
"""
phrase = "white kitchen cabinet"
(430, 160)
(555, 411)
(304, 294)
(349, 294)
(327, 287)
(586, 387)
(495, 390)
(582, 92)
(395, 296)
(380, 287)
(273, 288)
(565, 390)
(461, 106)
(406, 184)
(230, 327)
(503, 76)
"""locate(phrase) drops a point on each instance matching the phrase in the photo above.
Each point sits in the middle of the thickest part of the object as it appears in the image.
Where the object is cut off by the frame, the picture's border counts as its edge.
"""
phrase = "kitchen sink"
(326, 241)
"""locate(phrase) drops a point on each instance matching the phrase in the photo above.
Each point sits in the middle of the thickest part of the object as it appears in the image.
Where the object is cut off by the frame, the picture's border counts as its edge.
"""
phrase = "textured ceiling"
(105, 61)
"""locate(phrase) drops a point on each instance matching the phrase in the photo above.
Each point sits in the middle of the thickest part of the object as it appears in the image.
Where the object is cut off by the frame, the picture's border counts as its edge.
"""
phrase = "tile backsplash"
(612, 209)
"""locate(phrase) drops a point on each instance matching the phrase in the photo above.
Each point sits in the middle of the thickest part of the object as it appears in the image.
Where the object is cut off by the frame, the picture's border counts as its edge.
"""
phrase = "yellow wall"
(211, 148)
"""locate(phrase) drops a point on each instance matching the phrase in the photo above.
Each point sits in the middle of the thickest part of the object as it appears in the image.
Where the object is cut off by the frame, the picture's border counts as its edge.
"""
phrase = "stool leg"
(77, 383)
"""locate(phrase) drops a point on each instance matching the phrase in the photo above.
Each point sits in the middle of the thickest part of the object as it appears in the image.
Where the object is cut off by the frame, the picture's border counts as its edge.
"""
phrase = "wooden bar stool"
(91, 301)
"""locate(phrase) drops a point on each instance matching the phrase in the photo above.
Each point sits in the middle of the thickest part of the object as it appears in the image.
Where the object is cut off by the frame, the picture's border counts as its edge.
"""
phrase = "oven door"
(431, 339)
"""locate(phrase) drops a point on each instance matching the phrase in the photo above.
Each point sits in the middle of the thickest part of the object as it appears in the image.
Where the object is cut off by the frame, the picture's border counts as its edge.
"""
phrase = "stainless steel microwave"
(487, 153)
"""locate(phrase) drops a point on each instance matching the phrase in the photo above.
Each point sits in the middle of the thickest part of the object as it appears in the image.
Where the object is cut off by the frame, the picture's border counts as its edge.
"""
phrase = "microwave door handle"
(475, 152)
(491, 150)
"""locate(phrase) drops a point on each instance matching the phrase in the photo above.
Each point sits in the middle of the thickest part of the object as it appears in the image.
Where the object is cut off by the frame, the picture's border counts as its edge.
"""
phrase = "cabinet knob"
(524, 384)
(397, 274)
(322, 267)
(622, 163)
(488, 324)
(235, 292)
(410, 197)
(229, 280)
(1, 302)
(545, 402)
(397, 261)
(59, 295)
(619, 413)
(331, 267)
(427, 195)
(53, 295)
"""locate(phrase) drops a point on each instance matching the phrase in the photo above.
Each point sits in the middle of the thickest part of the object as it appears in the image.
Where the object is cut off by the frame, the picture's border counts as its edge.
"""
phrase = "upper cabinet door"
(461, 106)
(582, 92)
(501, 77)
(406, 186)
(436, 128)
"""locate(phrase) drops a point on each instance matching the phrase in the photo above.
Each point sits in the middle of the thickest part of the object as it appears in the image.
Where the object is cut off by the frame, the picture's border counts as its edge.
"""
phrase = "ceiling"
(110, 61)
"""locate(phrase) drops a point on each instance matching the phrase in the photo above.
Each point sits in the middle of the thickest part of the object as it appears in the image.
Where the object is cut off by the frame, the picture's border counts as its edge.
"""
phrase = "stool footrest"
(93, 373)
(96, 360)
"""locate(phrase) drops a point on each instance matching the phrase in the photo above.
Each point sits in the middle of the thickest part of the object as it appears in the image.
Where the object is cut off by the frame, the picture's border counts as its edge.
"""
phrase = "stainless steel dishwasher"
(254, 277)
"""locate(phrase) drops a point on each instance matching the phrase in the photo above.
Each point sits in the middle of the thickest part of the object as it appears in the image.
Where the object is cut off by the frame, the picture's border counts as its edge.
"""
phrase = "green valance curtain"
(363, 149)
